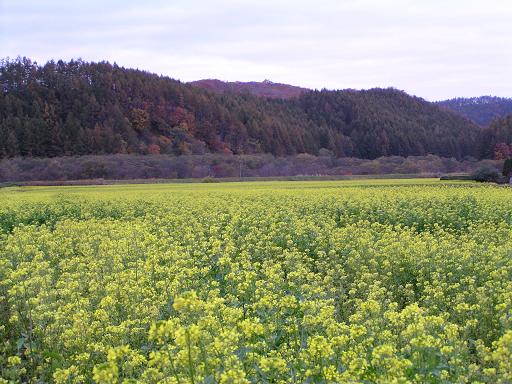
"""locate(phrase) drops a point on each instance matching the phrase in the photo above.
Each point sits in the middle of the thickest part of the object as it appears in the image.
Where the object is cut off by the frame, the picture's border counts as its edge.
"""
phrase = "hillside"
(264, 88)
(79, 108)
(499, 132)
(482, 110)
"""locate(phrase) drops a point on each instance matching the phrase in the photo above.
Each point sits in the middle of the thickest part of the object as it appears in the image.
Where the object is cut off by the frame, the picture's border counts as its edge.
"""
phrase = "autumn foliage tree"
(139, 119)
(153, 149)
(502, 151)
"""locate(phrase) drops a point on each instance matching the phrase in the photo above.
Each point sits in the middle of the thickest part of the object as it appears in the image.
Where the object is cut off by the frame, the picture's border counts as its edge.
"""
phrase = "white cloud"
(434, 48)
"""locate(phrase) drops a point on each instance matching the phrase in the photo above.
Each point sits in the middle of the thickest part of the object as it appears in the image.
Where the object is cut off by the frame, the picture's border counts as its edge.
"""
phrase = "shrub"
(209, 179)
(486, 174)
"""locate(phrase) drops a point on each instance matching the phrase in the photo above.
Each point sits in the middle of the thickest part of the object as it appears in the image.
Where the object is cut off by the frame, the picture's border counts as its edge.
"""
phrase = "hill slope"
(482, 110)
(498, 132)
(97, 108)
(265, 88)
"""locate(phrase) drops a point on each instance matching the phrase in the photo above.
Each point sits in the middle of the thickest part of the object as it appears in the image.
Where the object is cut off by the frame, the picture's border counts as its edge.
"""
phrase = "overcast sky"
(435, 49)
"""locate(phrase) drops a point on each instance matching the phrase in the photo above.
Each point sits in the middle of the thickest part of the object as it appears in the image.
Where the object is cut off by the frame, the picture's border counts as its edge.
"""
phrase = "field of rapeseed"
(282, 282)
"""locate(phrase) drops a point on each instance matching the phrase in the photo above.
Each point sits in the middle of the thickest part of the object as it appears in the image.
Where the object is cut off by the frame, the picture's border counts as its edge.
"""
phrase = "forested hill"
(264, 88)
(97, 108)
(482, 110)
(497, 137)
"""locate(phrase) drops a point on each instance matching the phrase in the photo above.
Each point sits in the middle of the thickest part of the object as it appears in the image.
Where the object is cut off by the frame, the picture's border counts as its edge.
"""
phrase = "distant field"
(211, 180)
(373, 281)
(130, 190)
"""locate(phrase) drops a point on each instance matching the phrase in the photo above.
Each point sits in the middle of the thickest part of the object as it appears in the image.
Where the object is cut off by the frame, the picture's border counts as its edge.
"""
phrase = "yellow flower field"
(374, 281)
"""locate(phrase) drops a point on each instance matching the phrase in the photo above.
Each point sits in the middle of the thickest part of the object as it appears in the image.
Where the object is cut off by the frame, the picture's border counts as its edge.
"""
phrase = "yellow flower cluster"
(311, 282)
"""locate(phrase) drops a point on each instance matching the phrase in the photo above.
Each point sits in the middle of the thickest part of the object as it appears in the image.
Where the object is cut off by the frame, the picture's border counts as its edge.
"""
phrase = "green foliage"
(378, 281)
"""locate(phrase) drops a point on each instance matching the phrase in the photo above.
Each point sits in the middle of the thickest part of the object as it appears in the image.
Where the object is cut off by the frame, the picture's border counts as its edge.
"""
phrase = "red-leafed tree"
(183, 118)
(154, 149)
(502, 151)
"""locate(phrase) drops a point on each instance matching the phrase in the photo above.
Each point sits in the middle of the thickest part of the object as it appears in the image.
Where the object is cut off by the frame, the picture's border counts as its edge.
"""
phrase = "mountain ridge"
(265, 88)
(482, 109)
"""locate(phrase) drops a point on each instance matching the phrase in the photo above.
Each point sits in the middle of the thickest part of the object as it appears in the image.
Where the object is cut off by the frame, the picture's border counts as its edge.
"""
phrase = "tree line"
(215, 165)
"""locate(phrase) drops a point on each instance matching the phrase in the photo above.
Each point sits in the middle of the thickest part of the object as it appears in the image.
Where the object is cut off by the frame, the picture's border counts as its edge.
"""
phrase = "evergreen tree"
(507, 168)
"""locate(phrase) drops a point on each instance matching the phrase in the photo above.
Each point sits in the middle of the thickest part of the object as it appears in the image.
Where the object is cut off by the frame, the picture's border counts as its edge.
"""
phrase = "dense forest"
(79, 108)
(482, 110)
(496, 139)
